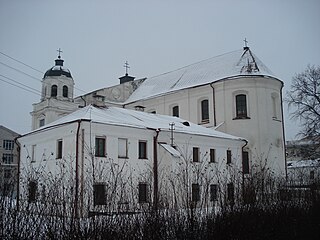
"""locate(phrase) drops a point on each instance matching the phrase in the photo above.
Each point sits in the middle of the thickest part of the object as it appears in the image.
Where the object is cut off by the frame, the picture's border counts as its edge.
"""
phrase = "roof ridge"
(195, 63)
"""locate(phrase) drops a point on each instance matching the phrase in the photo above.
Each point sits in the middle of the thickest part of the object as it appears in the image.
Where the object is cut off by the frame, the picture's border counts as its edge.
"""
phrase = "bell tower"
(56, 95)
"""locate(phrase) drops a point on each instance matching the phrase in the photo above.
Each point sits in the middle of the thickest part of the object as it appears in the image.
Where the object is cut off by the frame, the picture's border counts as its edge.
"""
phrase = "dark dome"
(58, 70)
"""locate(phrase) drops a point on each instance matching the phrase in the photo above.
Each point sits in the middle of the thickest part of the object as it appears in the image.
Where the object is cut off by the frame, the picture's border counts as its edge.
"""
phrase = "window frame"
(175, 111)
(195, 192)
(204, 111)
(213, 192)
(59, 149)
(65, 91)
(41, 122)
(32, 191)
(142, 152)
(245, 162)
(229, 156)
(212, 157)
(99, 194)
(120, 146)
(98, 151)
(7, 158)
(8, 144)
(54, 91)
(142, 192)
(236, 106)
(230, 192)
(195, 154)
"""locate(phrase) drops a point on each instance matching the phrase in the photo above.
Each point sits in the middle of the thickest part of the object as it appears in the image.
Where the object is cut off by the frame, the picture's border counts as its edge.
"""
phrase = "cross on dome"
(245, 42)
(126, 65)
(59, 51)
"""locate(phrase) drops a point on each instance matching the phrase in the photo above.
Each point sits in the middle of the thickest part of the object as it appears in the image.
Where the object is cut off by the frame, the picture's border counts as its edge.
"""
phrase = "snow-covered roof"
(136, 119)
(303, 163)
(232, 64)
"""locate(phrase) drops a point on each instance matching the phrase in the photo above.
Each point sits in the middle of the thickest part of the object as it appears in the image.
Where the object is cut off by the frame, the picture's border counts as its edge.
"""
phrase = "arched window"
(205, 111)
(54, 90)
(65, 91)
(175, 111)
(241, 106)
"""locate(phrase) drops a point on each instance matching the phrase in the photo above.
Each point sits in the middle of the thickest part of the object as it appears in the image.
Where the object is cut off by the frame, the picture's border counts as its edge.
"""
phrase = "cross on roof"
(245, 42)
(59, 51)
(126, 65)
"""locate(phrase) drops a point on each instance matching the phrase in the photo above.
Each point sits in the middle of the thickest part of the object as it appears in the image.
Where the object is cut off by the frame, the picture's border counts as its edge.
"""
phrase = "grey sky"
(97, 37)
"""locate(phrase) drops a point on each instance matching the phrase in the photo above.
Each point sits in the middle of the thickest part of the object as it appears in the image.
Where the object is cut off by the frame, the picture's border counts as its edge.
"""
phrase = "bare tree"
(304, 97)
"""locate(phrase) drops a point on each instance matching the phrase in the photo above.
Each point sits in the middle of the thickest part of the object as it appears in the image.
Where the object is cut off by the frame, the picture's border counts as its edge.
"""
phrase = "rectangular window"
(205, 111)
(230, 192)
(311, 174)
(32, 191)
(7, 158)
(59, 149)
(99, 194)
(241, 106)
(195, 154)
(7, 173)
(41, 122)
(100, 147)
(142, 150)
(213, 192)
(245, 162)
(175, 111)
(212, 155)
(7, 189)
(195, 192)
(143, 194)
(122, 148)
(8, 144)
(229, 156)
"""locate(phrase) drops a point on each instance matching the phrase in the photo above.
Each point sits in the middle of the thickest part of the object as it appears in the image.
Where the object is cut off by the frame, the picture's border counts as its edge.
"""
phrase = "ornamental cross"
(126, 65)
(245, 42)
(59, 51)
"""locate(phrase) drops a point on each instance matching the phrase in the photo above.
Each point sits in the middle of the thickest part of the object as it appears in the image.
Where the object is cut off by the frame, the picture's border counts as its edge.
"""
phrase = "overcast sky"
(97, 37)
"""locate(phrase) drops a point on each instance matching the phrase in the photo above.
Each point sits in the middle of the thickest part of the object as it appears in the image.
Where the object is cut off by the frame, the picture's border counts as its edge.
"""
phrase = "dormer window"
(65, 91)
(54, 90)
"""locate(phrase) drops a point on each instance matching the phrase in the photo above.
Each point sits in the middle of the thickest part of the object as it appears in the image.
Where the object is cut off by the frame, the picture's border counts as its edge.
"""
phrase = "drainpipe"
(85, 103)
(214, 105)
(283, 134)
(155, 170)
(242, 162)
(77, 172)
(18, 174)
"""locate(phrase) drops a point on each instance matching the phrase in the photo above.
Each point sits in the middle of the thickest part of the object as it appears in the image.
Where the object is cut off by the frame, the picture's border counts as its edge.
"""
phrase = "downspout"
(155, 170)
(214, 106)
(77, 172)
(18, 175)
(242, 163)
(85, 103)
(283, 135)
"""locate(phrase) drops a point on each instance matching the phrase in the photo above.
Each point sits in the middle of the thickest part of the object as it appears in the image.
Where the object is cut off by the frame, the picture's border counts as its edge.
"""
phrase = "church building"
(234, 93)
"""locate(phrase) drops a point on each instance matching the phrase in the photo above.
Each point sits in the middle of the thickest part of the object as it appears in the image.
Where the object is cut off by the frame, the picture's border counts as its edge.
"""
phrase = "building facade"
(113, 159)
(9, 162)
(234, 93)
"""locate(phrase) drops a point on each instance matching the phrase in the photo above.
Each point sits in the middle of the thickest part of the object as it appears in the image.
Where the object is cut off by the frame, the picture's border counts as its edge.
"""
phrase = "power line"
(22, 72)
(20, 87)
(33, 89)
(21, 62)
(38, 79)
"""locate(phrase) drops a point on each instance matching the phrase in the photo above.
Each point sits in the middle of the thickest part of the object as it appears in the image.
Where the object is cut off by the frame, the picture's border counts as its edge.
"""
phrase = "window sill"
(241, 118)
(123, 157)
